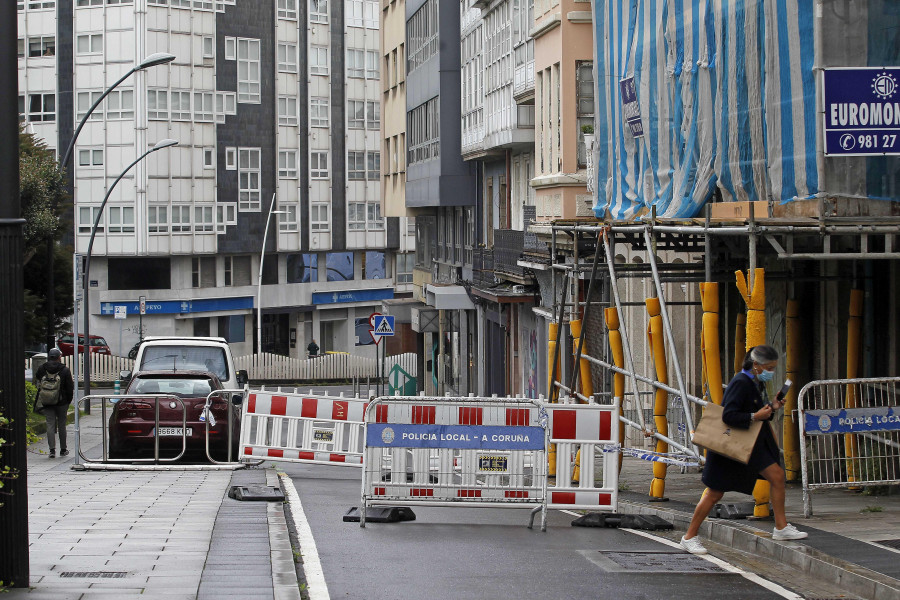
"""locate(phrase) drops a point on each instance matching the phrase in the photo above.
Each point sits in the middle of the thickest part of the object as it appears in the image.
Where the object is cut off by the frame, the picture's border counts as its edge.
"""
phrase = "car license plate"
(493, 463)
(167, 431)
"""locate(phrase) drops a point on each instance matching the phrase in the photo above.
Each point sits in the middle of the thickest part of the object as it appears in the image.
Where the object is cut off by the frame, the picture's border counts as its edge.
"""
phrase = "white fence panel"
(274, 367)
(104, 368)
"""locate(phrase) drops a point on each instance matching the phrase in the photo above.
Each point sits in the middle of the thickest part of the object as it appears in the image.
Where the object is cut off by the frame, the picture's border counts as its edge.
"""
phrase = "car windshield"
(185, 358)
(183, 387)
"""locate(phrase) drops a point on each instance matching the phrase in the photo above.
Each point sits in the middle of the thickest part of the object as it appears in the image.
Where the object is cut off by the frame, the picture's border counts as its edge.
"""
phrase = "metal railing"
(850, 434)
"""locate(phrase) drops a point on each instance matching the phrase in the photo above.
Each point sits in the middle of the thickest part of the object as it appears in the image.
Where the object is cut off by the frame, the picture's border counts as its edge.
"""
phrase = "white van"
(211, 354)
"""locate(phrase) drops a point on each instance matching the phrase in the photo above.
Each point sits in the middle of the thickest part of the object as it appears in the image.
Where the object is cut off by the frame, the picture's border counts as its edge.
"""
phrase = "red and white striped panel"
(412, 492)
(586, 423)
(307, 407)
(580, 498)
(288, 454)
(447, 412)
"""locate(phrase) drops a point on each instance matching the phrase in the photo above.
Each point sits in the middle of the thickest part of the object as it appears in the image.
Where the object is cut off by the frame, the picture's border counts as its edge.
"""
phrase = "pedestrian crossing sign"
(383, 326)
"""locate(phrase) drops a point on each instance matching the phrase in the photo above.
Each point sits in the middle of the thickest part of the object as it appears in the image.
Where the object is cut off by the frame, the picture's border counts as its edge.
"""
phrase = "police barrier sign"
(862, 111)
(463, 437)
(851, 420)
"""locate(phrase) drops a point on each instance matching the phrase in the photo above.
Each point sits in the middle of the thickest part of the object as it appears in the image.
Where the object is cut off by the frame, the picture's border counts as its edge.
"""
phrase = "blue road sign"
(383, 326)
(862, 111)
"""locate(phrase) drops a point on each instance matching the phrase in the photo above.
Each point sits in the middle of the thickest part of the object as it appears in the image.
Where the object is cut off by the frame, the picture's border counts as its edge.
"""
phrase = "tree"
(43, 195)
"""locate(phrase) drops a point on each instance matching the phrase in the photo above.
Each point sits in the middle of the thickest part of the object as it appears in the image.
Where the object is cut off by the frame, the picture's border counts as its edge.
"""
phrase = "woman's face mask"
(766, 376)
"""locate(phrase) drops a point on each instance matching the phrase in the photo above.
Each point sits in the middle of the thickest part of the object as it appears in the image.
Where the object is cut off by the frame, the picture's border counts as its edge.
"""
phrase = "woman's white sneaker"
(788, 533)
(693, 545)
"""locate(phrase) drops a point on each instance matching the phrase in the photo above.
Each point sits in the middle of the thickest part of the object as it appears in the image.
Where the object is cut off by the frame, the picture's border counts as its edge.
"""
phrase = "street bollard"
(117, 386)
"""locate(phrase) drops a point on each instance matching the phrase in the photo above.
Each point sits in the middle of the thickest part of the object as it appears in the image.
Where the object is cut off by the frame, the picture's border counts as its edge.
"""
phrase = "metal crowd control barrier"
(850, 434)
(444, 451)
(104, 424)
(208, 418)
(302, 428)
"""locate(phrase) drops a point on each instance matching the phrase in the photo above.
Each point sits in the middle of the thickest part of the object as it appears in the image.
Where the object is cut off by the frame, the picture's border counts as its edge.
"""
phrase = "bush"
(587, 129)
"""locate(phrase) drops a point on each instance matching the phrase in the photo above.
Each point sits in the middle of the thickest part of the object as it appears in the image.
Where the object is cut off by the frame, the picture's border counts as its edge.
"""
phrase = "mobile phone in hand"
(782, 393)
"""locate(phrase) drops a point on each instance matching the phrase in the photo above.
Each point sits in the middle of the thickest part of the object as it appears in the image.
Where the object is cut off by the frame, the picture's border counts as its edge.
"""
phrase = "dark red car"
(132, 423)
(66, 344)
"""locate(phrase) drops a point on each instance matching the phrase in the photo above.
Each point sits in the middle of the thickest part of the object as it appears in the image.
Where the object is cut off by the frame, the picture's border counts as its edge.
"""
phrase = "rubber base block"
(381, 514)
(261, 493)
(649, 522)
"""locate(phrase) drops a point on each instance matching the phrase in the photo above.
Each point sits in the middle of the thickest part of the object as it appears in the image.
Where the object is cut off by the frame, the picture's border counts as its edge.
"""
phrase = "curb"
(848, 576)
(285, 584)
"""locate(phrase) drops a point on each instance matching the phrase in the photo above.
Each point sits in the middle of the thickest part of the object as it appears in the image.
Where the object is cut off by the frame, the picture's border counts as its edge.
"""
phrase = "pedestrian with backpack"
(55, 390)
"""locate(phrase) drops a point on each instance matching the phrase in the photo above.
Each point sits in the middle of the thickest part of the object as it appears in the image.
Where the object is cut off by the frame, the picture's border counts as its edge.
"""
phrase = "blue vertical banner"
(630, 107)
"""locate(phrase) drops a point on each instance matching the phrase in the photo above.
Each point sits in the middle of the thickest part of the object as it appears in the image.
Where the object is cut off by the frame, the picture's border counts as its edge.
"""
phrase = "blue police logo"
(387, 435)
(884, 86)
(824, 423)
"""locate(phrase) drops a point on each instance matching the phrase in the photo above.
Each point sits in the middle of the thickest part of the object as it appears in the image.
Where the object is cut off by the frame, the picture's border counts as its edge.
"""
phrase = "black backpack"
(48, 389)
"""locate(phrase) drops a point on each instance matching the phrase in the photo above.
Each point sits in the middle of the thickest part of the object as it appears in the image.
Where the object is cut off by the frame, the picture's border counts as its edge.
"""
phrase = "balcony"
(509, 244)
(523, 83)
(483, 268)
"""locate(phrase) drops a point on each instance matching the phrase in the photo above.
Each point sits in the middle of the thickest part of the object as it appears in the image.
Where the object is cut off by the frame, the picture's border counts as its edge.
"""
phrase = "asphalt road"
(457, 553)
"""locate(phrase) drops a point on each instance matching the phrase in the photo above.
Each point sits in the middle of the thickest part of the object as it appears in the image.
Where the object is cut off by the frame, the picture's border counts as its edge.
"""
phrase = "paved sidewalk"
(854, 539)
(150, 534)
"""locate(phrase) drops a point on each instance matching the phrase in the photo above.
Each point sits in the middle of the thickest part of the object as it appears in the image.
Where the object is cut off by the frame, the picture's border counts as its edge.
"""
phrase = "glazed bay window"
(121, 219)
(405, 264)
(318, 60)
(373, 115)
(120, 105)
(373, 165)
(318, 164)
(248, 71)
(356, 166)
(248, 179)
(423, 132)
(318, 216)
(287, 222)
(90, 157)
(372, 64)
(287, 9)
(203, 219)
(373, 216)
(287, 110)
(181, 105)
(181, 218)
(356, 216)
(83, 103)
(318, 11)
(157, 105)
(89, 43)
(226, 214)
(86, 217)
(422, 35)
(356, 63)
(287, 58)
(584, 98)
(287, 164)
(226, 104)
(41, 107)
(203, 106)
(356, 114)
(41, 46)
(158, 219)
(318, 112)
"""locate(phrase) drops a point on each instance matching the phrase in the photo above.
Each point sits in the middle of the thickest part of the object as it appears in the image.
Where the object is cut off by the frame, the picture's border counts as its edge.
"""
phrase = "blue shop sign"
(465, 437)
(175, 307)
(352, 296)
(852, 420)
(862, 111)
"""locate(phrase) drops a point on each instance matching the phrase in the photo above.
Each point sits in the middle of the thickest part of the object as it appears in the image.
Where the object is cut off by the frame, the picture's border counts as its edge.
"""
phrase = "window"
(302, 268)
(226, 214)
(374, 265)
(405, 264)
(287, 110)
(318, 11)
(373, 164)
(356, 63)
(356, 215)
(230, 159)
(248, 179)
(287, 58)
(318, 216)
(362, 13)
(86, 217)
(248, 70)
(287, 164)
(339, 266)
(158, 219)
(230, 48)
(120, 105)
(209, 158)
(203, 106)
(226, 104)
(318, 60)
(181, 218)
(84, 101)
(584, 99)
(372, 64)
(288, 221)
(287, 9)
(89, 43)
(237, 270)
(208, 46)
(41, 107)
(373, 215)
(422, 35)
(373, 115)
(181, 106)
(318, 112)
(43, 4)
(356, 166)
(423, 131)
(42, 45)
(203, 271)
(318, 164)
(157, 104)
(20, 48)
(203, 219)
(90, 157)
(356, 114)
(121, 219)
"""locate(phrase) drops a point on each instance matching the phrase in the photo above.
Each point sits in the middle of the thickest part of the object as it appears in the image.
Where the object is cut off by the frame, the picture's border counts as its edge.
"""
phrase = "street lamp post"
(159, 58)
(262, 257)
(87, 264)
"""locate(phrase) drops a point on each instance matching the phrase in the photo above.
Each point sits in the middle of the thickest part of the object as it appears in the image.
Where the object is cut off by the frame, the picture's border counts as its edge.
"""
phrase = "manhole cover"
(94, 574)
(889, 543)
(659, 562)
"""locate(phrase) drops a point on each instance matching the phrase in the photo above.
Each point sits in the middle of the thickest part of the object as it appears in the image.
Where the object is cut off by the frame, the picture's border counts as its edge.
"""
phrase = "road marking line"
(316, 586)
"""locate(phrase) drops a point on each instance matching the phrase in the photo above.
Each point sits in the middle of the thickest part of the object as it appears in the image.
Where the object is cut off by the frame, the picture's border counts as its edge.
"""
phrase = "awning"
(448, 297)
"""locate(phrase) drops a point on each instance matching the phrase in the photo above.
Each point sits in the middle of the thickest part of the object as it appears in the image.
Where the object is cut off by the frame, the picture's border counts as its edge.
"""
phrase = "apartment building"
(276, 106)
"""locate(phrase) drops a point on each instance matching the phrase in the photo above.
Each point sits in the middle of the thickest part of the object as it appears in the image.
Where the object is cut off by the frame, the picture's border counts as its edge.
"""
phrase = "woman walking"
(745, 402)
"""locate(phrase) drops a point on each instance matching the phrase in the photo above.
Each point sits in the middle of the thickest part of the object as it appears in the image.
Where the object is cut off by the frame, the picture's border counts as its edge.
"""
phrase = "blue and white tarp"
(727, 96)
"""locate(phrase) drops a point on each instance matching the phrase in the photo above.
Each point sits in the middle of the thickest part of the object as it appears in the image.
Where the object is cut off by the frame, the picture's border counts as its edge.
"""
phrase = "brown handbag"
(717, 436)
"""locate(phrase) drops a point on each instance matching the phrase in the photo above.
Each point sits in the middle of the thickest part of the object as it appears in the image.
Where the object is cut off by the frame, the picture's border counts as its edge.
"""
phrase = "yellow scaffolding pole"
(740, 341)
(552, 332)
(854, 325)
(657, 346)
(618, 355)
(712, 361)
(794, 353)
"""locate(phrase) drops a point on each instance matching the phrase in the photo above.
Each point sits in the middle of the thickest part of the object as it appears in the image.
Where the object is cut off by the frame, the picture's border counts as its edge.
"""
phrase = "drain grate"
(890, 543)
(658, 562)
(94, 574)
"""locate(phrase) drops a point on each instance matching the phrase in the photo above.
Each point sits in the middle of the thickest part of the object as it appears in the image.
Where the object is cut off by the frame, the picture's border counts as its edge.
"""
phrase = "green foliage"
(6, 473)
(587, 129)
(35, 283)
(42, 191)
(872, 509)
